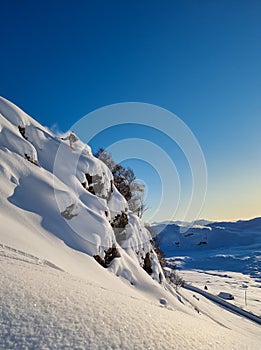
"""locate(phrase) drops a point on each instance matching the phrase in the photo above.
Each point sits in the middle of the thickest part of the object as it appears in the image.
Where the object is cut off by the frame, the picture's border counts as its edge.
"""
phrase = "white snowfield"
(53, 294)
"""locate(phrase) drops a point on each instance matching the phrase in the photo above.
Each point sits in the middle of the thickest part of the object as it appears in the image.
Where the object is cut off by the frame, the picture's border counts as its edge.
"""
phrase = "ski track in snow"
(17, 254)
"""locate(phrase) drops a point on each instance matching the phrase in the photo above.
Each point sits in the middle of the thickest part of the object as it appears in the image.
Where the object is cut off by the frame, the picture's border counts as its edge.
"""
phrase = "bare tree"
(126, 183)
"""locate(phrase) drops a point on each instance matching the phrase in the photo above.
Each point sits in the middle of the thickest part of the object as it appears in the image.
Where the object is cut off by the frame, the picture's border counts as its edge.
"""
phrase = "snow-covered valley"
(55, 295)
(224, 256)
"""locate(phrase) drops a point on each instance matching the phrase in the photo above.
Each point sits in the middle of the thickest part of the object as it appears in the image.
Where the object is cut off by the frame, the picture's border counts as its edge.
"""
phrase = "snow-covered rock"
(55, 193)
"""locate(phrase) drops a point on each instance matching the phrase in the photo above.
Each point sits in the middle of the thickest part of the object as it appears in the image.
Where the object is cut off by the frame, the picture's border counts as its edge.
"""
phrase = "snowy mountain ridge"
(55, 230)
(53, 192)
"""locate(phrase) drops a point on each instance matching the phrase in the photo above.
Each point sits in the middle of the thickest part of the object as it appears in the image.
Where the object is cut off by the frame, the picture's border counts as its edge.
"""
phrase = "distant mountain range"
(200, 222)
(232, 246)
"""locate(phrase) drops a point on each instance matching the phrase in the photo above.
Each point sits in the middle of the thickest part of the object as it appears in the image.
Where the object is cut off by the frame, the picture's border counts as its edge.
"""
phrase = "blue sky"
(198, 59)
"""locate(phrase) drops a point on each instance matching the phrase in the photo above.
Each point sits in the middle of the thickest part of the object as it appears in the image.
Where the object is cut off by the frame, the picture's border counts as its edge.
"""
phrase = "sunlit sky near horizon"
(199, 59)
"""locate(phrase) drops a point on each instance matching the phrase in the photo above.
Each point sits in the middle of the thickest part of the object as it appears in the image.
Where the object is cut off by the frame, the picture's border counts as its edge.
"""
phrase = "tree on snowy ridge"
(126, 183)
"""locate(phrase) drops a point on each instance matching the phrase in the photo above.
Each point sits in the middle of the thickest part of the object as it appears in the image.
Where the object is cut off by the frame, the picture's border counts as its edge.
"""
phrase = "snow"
(51, 309)
(53, 293)
(229, 262)
(246, 291)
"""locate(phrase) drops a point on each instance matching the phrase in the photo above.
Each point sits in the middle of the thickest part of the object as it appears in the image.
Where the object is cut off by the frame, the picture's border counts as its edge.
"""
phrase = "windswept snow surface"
(53, 294)
(45, 308)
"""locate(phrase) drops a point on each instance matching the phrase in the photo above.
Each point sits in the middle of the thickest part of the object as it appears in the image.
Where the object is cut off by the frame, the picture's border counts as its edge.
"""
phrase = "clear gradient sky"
(200, 59)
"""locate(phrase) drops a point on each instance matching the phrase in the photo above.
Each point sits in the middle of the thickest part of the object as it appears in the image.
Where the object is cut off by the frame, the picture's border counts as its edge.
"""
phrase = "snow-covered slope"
(46, 195)
(54, 294)
(45, 308)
